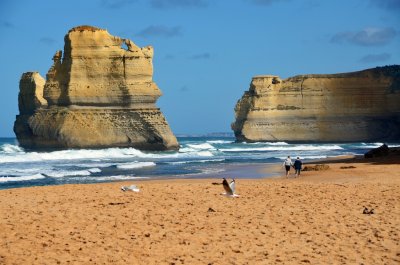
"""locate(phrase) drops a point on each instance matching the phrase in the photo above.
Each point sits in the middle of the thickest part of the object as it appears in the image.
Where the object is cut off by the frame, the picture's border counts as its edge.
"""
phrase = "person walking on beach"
(287, 164)
(297, 166)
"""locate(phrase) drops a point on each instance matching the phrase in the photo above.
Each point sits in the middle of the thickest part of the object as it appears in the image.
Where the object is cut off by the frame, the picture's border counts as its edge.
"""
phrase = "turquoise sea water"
(198, 157)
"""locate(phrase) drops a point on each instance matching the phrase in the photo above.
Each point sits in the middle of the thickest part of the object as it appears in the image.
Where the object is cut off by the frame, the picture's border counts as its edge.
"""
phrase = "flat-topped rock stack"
(357, 106)
(98, 93)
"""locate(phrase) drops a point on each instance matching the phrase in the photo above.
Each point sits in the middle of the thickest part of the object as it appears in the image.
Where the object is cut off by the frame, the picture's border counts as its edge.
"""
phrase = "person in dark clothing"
(297, 166)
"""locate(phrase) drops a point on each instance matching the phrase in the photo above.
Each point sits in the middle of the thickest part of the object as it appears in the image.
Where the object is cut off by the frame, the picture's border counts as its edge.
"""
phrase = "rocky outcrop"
(99, 93)
(383, 151)
(357, 106)
(30, 96)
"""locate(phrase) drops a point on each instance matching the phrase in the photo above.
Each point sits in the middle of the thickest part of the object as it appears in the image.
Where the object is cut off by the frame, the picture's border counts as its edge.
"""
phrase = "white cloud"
(366, 37)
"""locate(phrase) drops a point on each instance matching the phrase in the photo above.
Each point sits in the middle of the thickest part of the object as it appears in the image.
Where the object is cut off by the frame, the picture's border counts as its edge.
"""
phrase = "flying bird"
(229, 188)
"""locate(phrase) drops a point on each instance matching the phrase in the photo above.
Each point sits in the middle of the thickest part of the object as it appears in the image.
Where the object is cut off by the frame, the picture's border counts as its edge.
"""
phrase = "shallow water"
(197, 157)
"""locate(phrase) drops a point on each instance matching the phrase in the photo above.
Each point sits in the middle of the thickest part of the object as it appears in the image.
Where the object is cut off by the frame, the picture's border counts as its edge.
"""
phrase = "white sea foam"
(94, 170)
(196, 150)
(80, 154)
(276, 143)
(96, 165)
(203, 146)
(219, 142)
(71, 166)
(67, 173)
(186, 150)
(212, 170)
(108, 154)
(375, 145)
(368, 145)
(135, 165)
(205, 153)
(11, 149)
(192, 152)
(4, 179)
(205, 171)
(267, 143)
(120, 177)
(285, 148)
(20, 171)
(196, 161)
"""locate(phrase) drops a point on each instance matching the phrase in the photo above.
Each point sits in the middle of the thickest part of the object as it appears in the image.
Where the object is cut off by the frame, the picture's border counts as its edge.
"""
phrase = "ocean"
(198, 157)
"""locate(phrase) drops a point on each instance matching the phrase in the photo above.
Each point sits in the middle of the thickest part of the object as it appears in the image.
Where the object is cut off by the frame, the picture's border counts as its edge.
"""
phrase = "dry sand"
(314, 219)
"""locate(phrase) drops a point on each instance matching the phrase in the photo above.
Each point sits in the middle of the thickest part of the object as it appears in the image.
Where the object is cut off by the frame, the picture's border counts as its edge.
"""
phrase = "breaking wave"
(196, 157)
(196, 161)
(285, 148)
(135, 165)
(4, 179)
(119, 177)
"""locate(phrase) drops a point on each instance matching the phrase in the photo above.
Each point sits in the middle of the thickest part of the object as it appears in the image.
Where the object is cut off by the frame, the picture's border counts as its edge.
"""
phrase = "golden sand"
(316, 219)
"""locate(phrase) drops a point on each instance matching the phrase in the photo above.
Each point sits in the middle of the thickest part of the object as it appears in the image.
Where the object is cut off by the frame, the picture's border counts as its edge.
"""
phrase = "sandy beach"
(314, 219)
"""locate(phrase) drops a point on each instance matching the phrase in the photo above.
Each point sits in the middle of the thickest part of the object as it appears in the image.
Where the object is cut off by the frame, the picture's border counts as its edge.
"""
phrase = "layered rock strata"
(357, 106)
(99, 93)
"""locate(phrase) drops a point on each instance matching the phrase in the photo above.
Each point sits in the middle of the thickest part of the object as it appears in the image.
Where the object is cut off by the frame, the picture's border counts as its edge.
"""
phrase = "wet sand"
(316, 218)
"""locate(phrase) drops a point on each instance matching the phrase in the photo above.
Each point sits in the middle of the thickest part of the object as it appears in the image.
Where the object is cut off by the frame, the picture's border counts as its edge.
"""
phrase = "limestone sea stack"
(356, 106)
(98, 93)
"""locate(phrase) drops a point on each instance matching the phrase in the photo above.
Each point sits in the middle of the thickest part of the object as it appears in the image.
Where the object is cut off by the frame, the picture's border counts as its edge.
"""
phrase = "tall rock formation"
(357, 106)
(99, 93)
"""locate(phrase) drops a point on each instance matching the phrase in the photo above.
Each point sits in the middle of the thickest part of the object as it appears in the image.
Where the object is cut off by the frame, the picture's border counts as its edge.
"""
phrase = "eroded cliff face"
(99, 93)
(358, 106)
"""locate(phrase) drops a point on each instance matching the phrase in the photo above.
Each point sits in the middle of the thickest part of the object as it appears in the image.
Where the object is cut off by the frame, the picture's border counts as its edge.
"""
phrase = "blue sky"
(206, 51)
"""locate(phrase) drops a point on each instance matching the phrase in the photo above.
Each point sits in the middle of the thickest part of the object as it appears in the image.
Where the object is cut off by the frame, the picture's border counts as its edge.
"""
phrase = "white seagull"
(130, 188)
(229, 188)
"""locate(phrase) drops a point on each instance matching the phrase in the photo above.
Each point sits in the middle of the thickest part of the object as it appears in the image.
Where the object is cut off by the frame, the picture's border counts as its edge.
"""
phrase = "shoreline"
(316, 218)
(251, 171)
(203, 158)
(237, 171)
